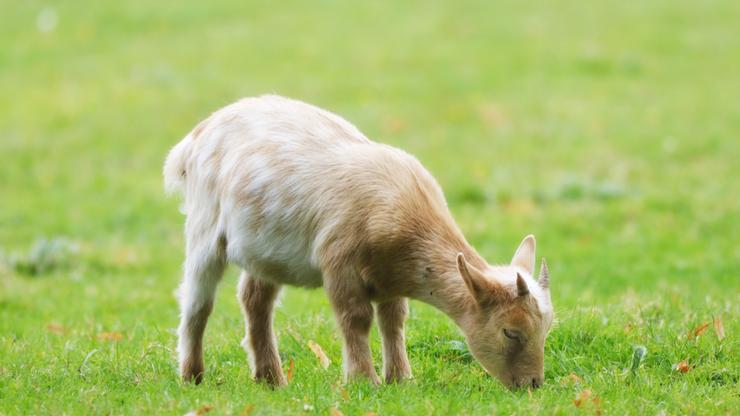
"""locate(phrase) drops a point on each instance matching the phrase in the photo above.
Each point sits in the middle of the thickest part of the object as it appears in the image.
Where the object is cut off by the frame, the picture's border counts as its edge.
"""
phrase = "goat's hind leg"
(204, 267)
(257, 298)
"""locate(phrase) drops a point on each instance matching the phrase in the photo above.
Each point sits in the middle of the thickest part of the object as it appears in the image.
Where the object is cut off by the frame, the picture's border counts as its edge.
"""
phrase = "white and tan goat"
(295, 195)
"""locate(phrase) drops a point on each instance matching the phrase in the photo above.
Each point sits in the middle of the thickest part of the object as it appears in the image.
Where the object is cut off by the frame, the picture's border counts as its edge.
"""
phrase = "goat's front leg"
(391, 318)
(354, 314)
(257, 298)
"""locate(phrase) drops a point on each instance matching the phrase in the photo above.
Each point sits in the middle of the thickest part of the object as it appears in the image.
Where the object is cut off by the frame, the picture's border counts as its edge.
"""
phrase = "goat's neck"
(441, 284)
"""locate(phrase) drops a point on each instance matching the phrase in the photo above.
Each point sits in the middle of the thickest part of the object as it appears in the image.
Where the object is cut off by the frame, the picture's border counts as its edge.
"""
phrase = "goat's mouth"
(506, 377)
(513, 382)
(525, 382)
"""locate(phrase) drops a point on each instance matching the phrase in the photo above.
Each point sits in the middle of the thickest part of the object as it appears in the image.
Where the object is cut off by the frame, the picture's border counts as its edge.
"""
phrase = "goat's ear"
(544, 279)
(524, 255)
(481, 289)
(521, 286)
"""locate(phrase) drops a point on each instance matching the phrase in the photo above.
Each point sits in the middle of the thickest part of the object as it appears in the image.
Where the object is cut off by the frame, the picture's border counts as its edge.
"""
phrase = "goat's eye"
(511, 334)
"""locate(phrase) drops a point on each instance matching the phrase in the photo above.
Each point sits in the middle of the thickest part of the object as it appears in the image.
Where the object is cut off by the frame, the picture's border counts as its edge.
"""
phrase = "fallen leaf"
(110, 336)
(291, 367)
(200, 411)
(683, 366)
(571, 378)
(371, 414)
(582, 398)
(585, 397)
(698, 330)
(335, 412)
(320, 354)
(248, 409)
(596, 400)
(56, 328)
(719, 329)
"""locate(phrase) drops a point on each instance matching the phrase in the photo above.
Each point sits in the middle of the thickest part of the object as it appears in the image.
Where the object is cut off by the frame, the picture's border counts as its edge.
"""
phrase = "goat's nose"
(536, 382)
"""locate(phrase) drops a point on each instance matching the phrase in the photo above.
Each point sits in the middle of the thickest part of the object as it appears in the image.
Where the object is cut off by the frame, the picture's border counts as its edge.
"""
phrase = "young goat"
(295, 195)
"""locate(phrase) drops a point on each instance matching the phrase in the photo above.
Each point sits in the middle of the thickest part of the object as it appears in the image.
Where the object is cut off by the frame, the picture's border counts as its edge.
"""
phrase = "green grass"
(611, 130)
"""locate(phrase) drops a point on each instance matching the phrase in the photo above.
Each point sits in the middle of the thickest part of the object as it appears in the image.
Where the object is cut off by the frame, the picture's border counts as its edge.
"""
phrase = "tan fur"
(391, 317)
(257, 298)
(296, 195)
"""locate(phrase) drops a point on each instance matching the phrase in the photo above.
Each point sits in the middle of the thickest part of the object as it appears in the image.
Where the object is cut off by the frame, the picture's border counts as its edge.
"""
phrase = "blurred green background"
(609, 129)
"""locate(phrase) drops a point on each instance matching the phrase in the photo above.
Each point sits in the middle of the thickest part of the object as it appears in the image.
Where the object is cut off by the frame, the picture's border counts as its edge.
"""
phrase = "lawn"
(610, 130)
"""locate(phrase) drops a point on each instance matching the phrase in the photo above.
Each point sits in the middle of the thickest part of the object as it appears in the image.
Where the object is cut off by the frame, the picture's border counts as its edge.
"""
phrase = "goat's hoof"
(192, 373)
(274, 379)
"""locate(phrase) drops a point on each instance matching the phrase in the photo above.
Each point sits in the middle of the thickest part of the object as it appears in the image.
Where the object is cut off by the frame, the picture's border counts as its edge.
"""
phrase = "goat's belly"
(286, 273)
(283, 258)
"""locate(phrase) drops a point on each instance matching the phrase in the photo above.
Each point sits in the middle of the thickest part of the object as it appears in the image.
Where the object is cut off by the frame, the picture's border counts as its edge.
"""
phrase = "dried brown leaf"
(699, 330)
(586, 399)
(582, 398)
(596, 401)
(199, 411)
(683, 366)
(571, 378)
(110, 336)
(335, 412)
(719, 328)
(319, 353)
(291, 367)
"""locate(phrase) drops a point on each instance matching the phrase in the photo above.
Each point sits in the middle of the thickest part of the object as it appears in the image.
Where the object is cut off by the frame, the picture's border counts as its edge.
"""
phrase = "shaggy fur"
(296, 195)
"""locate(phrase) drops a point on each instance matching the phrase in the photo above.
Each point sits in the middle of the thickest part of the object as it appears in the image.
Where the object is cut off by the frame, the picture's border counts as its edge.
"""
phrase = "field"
(610, 130)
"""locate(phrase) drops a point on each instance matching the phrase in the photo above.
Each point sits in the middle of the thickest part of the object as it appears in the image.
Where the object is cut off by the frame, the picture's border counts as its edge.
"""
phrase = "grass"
(608, 129)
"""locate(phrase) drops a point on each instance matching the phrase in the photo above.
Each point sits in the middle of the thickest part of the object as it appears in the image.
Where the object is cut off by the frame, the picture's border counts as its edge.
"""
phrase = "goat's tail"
(174, 170)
